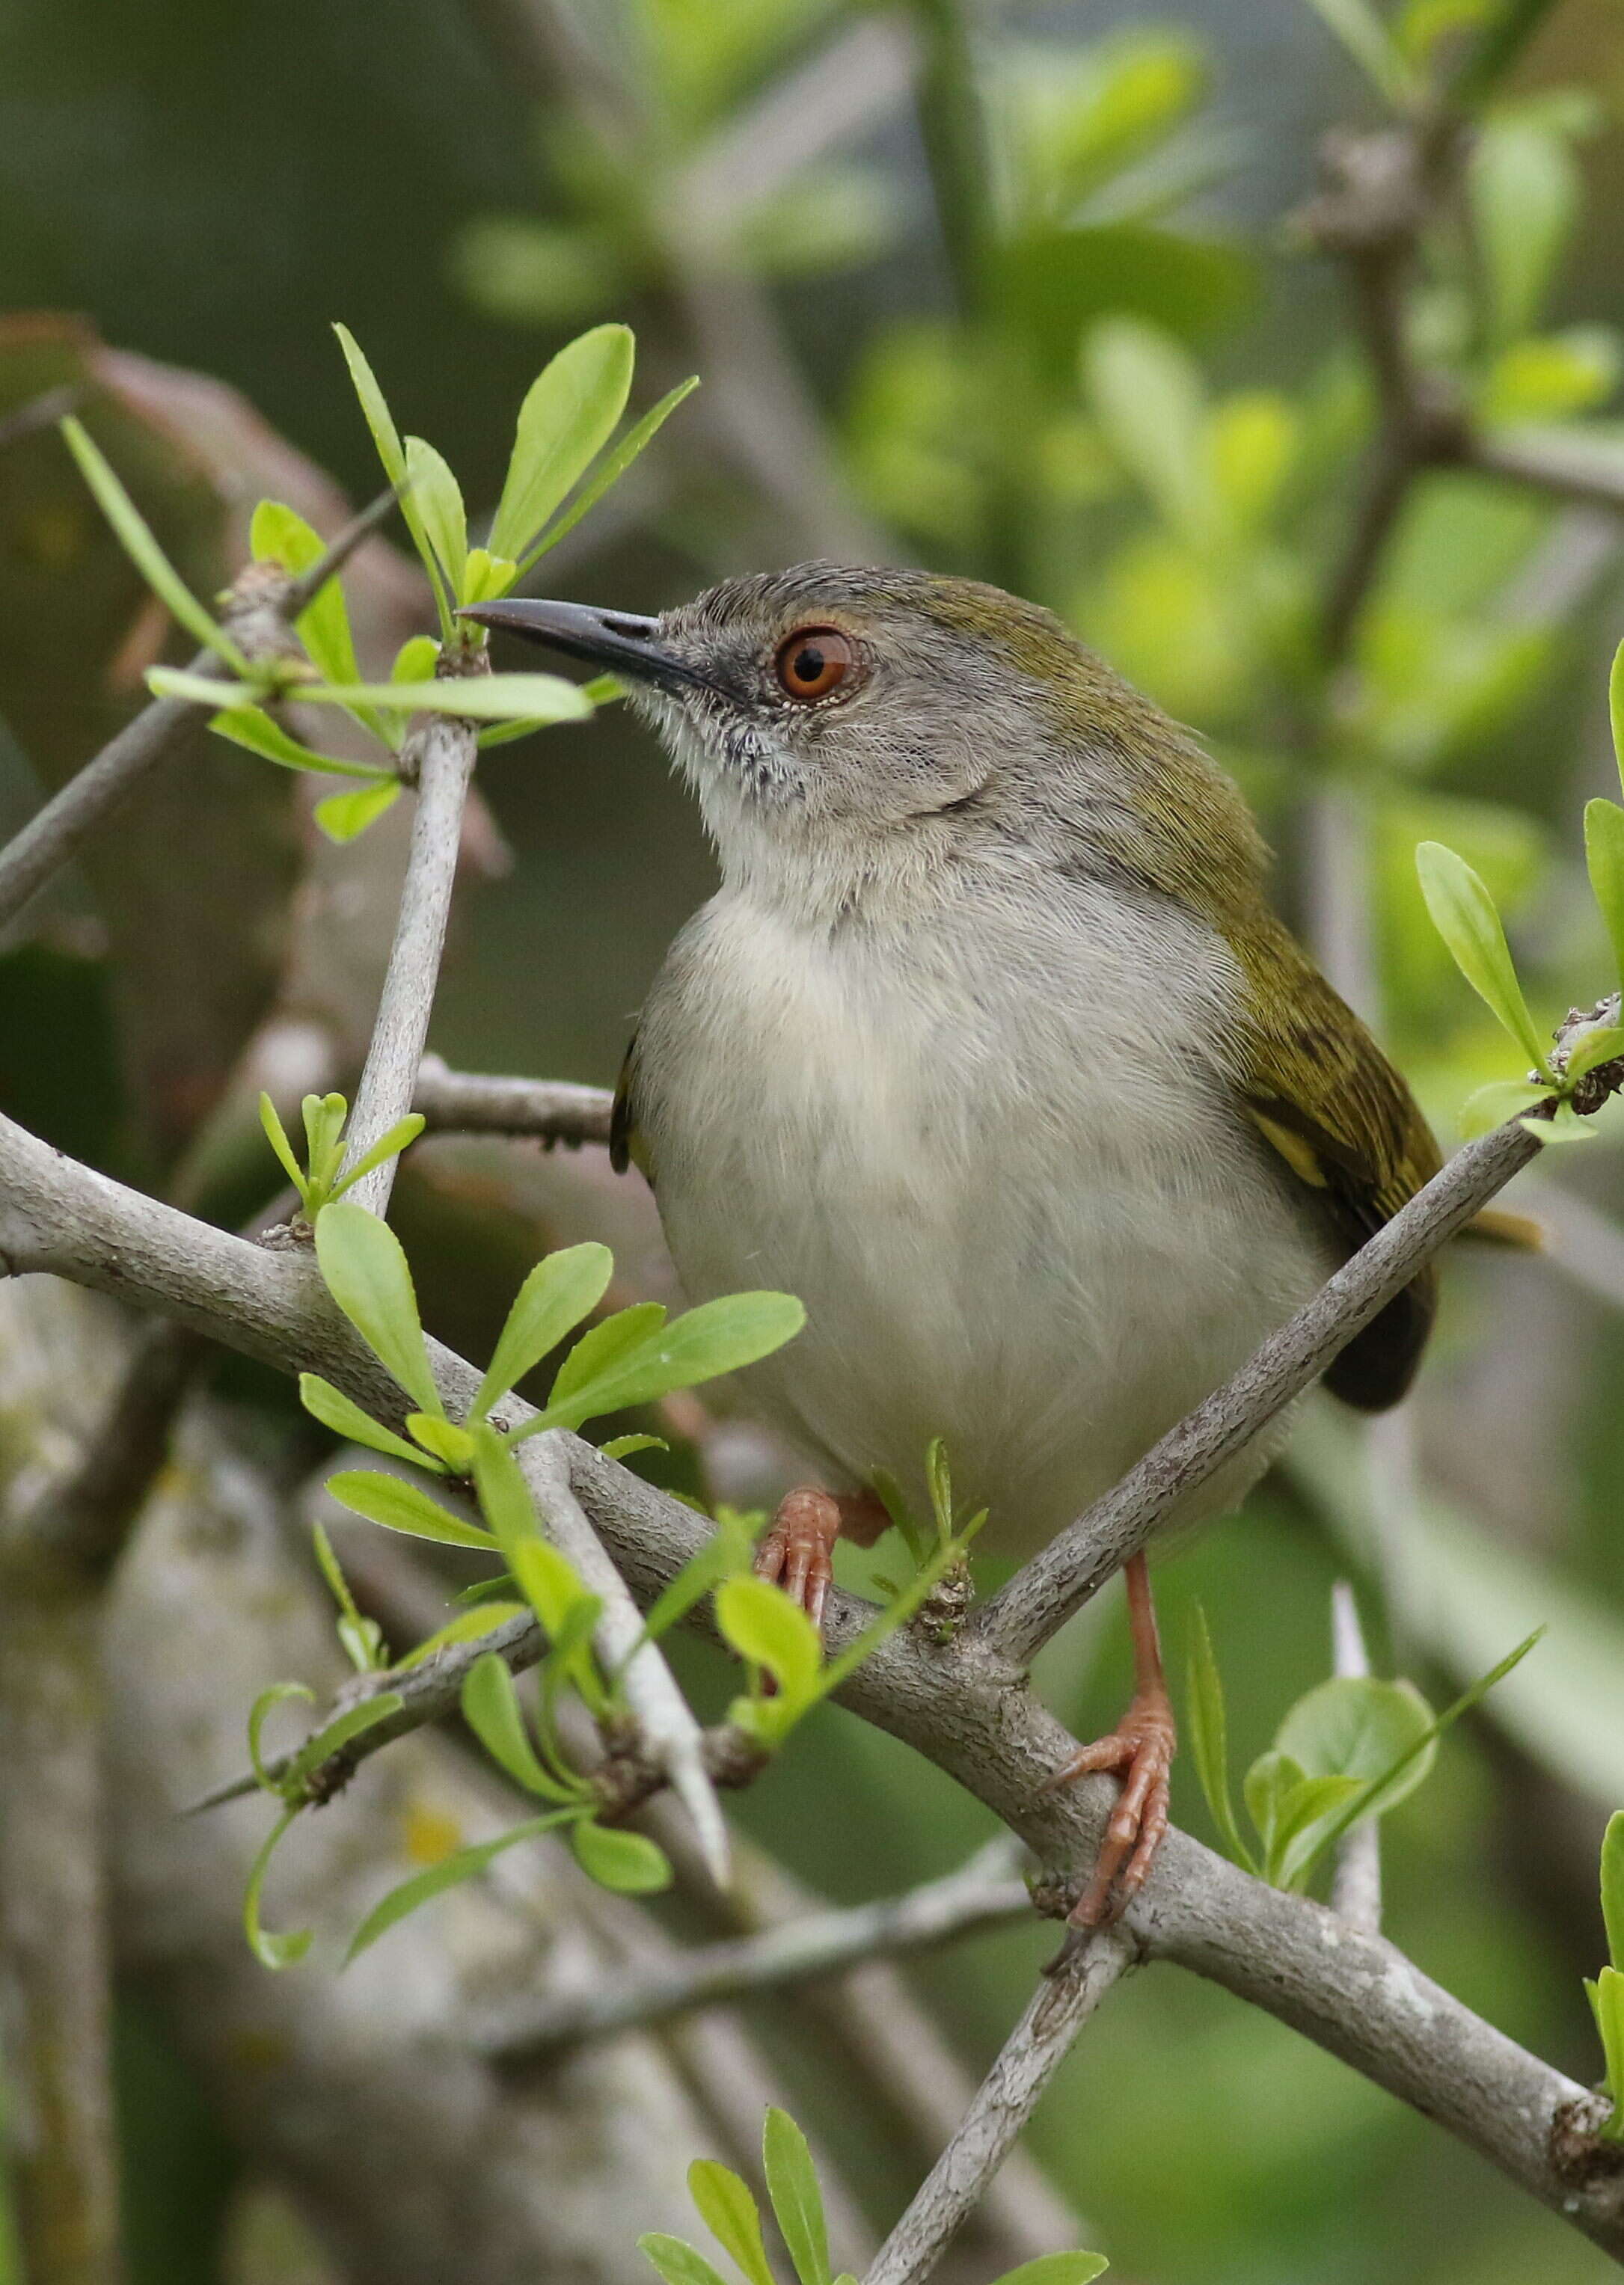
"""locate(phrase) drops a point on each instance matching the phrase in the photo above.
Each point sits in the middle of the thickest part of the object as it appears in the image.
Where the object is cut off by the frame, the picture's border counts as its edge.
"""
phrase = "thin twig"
(445, 749)
(985, 1893)
(1356, 1889)
(473, 1103)
(1005, 2100)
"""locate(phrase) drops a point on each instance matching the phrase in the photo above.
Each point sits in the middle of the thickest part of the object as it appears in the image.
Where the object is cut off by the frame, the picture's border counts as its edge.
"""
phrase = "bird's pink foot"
(798, 1550)
(1140, 1750)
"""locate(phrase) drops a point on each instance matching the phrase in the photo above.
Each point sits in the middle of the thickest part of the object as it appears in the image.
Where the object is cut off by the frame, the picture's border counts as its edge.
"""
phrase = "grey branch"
(965, 1709)
(443, 748)
(1004, 2101)
(985, 1893)
(1356, 1890)
(471, 1102)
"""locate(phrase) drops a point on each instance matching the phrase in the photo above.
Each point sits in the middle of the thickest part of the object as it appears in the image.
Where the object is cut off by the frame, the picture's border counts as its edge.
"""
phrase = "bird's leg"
(1140, 1750)
(798, 1550)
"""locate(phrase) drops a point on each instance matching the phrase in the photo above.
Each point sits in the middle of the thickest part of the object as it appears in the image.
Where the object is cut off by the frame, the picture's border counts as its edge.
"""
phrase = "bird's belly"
(1046, 1276)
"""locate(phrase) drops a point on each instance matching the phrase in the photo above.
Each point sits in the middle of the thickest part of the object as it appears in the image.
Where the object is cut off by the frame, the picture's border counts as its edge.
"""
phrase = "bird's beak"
(620, 641)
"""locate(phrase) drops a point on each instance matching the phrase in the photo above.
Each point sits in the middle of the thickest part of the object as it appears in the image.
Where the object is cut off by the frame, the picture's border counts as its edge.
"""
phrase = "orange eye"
(812, 662)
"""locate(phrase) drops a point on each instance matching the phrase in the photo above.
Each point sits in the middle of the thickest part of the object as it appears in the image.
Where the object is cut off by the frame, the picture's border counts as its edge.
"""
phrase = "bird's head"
(855, 723)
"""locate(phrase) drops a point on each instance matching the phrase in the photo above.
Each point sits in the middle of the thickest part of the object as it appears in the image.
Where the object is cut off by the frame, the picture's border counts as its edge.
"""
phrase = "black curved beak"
(620, 640)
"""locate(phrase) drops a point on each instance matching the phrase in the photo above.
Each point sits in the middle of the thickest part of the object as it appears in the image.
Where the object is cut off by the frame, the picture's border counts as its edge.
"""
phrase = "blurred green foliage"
(1032, 307)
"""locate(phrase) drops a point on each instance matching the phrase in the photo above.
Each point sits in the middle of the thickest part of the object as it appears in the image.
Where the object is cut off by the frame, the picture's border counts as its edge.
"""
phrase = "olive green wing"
(1324, 1096)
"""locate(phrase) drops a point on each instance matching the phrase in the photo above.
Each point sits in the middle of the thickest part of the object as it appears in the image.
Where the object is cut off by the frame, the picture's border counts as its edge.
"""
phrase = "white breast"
(996, 1161)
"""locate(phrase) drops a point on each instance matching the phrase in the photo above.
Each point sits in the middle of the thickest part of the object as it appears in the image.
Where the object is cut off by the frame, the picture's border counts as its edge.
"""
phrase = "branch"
(470, 1103)
(260, 612)
(1005, 2100)
(965, 1708)
(985, 1893)
(443, 749)
(1356, 1889)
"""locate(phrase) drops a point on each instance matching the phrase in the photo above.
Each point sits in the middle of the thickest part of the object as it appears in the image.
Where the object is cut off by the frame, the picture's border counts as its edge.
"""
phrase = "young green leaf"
(484, 1619)
(797, 2202)
(1564, 1126)
(280, 535)
(1147, 396)
(600, 1351)
(462, 1865)
(677, 2262)
(137, 539)
(1372, 46)
(438, 500)
(1209, 1739)
(623, 1448)
(729, 2212)
(1299, 1811)
(1613, 1891)
(629, 1863)
(252, 727)
(1490, 1106)
(334, 1410)
(767, 1629)
(362, 1638)
(366, 1274)
(1607, 1998)
(1615, 708)
(560, 1291)
(1272, 1778)
(568, 415)
(273, 1951)
(1464, 914)
(264, 1705)
(719, 1337)
(491, 1710)
(345, 816)
(353, 1722)
(474, 698)
(399, 1137)
(1356, 1726)
(1603, 1045)
(403, 1507)
(486, 575)
(1057, 2269)
(275, 1135)
(608, 472)
(386, 436)
(1604, 845)
(452, 1446)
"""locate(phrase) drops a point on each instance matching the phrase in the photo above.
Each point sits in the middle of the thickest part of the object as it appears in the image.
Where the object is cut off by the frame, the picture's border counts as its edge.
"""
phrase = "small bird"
(990, 1049)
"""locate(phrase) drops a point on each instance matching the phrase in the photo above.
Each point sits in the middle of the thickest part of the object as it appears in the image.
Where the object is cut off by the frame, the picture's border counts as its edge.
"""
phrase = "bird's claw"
(797, 1552)
(1141, 1752)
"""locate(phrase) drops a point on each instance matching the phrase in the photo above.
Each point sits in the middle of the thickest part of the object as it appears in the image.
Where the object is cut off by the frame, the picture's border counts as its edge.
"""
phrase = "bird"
(991, 1049)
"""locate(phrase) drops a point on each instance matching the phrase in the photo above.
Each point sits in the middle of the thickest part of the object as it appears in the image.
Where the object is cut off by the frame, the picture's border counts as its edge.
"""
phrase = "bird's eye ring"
(813, 661)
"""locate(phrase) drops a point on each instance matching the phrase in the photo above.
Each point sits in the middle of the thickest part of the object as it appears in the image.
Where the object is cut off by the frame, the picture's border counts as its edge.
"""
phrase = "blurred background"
(1054, 296)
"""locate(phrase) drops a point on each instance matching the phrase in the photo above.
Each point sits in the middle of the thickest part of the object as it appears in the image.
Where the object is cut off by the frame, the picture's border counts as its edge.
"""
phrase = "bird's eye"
(812, 662)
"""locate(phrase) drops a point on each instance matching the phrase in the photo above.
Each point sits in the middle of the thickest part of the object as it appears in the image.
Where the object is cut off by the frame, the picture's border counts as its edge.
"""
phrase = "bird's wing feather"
(626, 1143)
(1324, 1096)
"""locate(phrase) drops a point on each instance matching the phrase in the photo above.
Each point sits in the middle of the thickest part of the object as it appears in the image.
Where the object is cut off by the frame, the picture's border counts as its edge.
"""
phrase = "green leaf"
(474, 698)
(1266, 1785)
(609, 470)
(275, 1135)
(273, 1951)
(462, 1865)
(263, 1706)
(1355, 1726)
(629, 1863)
(366, 1274)
(1492, 1105)
(1057, 2269)
(726, 1552)
(1523, 190)
(622, 1447)
(1464, 914)
(451, 1445)
(403, 1507)
(389, 1145)
(439, 501)
(1603, 847)
(334, 1410)
(253, 727)
(558, 1293)
(345, 816)
(1564, 1126)
(353, 1722)
(676, 2261)
(1615, 708)
(568, 415)
(1147, 396)
(386, 436)
(1367, 39)
(600, 1351)
(729, 2213)
(1613, 1890)
(491, 1710)
(550, 1581)
(1607, 1998)
(1299, 1812)
(1603, 1045)
(797, 2202)
(484, 1619)
(280, 535)
(719, 1337)
(1209, 1739)
(139, 544)
(764, 1626)
(486, 575)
